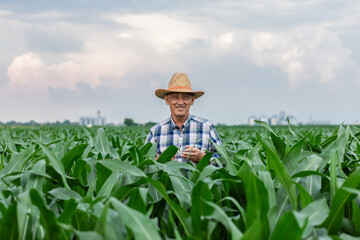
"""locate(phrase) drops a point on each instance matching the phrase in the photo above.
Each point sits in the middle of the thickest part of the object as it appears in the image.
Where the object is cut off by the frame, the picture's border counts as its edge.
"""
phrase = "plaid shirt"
(197, 132)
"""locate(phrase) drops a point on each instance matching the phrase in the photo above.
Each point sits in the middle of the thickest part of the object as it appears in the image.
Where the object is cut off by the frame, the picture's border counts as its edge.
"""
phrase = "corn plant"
(94, 183)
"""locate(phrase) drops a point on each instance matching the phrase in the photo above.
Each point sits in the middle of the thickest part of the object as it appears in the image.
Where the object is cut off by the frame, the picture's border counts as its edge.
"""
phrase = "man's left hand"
(193, 154)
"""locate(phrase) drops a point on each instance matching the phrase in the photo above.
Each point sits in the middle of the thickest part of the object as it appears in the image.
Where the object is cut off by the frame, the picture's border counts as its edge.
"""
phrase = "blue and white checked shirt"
(197, 132)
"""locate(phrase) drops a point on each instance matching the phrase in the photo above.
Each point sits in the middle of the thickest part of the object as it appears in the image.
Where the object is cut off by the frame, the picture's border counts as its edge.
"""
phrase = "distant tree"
(11, 123)
(129, 122)
(149, 124)
(32, 123)
(67, 122)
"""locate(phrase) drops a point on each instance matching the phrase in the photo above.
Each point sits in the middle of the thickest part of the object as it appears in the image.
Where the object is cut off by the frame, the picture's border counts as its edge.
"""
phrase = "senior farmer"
(189, 133)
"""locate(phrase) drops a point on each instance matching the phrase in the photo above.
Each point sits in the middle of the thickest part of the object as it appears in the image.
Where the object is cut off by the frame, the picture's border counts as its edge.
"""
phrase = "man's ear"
(166, 97)
(193, 100)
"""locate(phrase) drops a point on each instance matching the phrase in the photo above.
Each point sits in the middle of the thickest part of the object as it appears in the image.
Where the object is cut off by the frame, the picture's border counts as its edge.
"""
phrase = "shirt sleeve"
(214, 136)
(150, 137)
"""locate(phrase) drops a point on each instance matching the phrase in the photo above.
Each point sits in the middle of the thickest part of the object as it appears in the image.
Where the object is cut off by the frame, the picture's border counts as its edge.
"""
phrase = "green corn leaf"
(229, 164)
(279, 145)
(174, 167)
(101, 223)
(183, 216)
(86, 235)
(305, 197)
(315, 213)
(309, 173)
(122, 167)
(257, 199)
(356, 216)
(219, 215)
(47, 218)
(333, 175)
(292, 158)
(167, 155)
(146, 148)
(288, 227)
(265, 177)
(200, 166)
(65, 194)
(138, 223)
(36, 177)
(106, 189)
(68, 212)
(25, 214)
(199, 208)
(280, 171)
(88, 134)
(71, 156)
(208, 170)
(182, 188)
(9, 142)
(339, 144)
(102, 144)
(54, 161)
(17, 161)
(138, 199)
(266, 126)
(9, 223)
(136, 156)
(342, 196)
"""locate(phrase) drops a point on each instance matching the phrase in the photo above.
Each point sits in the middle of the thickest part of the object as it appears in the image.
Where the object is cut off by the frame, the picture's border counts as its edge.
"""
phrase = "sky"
(61, 60)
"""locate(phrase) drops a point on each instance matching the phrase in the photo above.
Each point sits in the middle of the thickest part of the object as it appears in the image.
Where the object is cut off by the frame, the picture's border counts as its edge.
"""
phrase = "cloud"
(164, 32)
(47, 15)
(66, 62)
(304, 54)
(143, 44)
(29, 71)
(4, 13)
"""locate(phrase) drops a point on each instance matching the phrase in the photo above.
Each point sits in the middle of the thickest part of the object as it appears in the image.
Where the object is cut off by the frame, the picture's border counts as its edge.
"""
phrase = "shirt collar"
(184, 126)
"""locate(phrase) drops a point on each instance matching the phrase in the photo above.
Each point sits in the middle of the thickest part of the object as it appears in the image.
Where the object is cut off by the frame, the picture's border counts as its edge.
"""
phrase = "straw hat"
(179, 83)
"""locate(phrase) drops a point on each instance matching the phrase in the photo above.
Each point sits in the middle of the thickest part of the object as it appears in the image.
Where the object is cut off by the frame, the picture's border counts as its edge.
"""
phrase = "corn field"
(104, 183)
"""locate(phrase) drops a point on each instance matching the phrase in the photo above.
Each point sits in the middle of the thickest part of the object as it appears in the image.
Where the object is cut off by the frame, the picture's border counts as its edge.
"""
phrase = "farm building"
(279, 119)
(93, 121)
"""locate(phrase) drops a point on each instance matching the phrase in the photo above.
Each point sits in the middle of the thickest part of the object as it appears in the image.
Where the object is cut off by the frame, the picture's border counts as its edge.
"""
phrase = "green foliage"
(72, 182)
(129, 122)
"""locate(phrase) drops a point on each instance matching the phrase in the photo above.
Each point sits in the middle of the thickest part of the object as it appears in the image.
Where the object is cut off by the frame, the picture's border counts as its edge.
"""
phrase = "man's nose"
(181, 100)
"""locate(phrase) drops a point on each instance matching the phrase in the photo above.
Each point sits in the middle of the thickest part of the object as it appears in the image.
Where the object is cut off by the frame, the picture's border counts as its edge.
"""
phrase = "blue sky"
(66, 59)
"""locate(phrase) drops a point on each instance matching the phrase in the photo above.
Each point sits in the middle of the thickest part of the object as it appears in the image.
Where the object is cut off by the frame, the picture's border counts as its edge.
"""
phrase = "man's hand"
(193, 154)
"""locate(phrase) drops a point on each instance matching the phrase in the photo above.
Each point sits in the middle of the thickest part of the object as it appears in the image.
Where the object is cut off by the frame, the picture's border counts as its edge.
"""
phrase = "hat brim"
(160, 93)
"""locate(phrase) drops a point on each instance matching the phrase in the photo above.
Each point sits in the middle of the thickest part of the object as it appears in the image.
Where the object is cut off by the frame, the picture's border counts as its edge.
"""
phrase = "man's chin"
(180, 114)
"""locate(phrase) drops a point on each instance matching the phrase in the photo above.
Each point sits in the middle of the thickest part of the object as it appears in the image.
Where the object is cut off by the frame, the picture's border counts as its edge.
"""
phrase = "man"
(189, 133)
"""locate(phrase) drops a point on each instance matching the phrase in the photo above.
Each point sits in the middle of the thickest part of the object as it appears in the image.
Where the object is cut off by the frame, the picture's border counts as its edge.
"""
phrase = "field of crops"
(95, 183)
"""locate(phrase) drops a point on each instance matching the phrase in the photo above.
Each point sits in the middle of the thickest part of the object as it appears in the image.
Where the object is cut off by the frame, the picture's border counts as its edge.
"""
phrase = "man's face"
(179, 103)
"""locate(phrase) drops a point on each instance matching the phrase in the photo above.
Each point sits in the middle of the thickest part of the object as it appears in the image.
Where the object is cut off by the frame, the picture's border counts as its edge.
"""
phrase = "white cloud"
(4, 13)
(165, 32)
(30, 71)
(46, 15)
(27, 70)
(304, 54)
(225, 39)
(108, 56)
(158, 42)
(124, 50)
